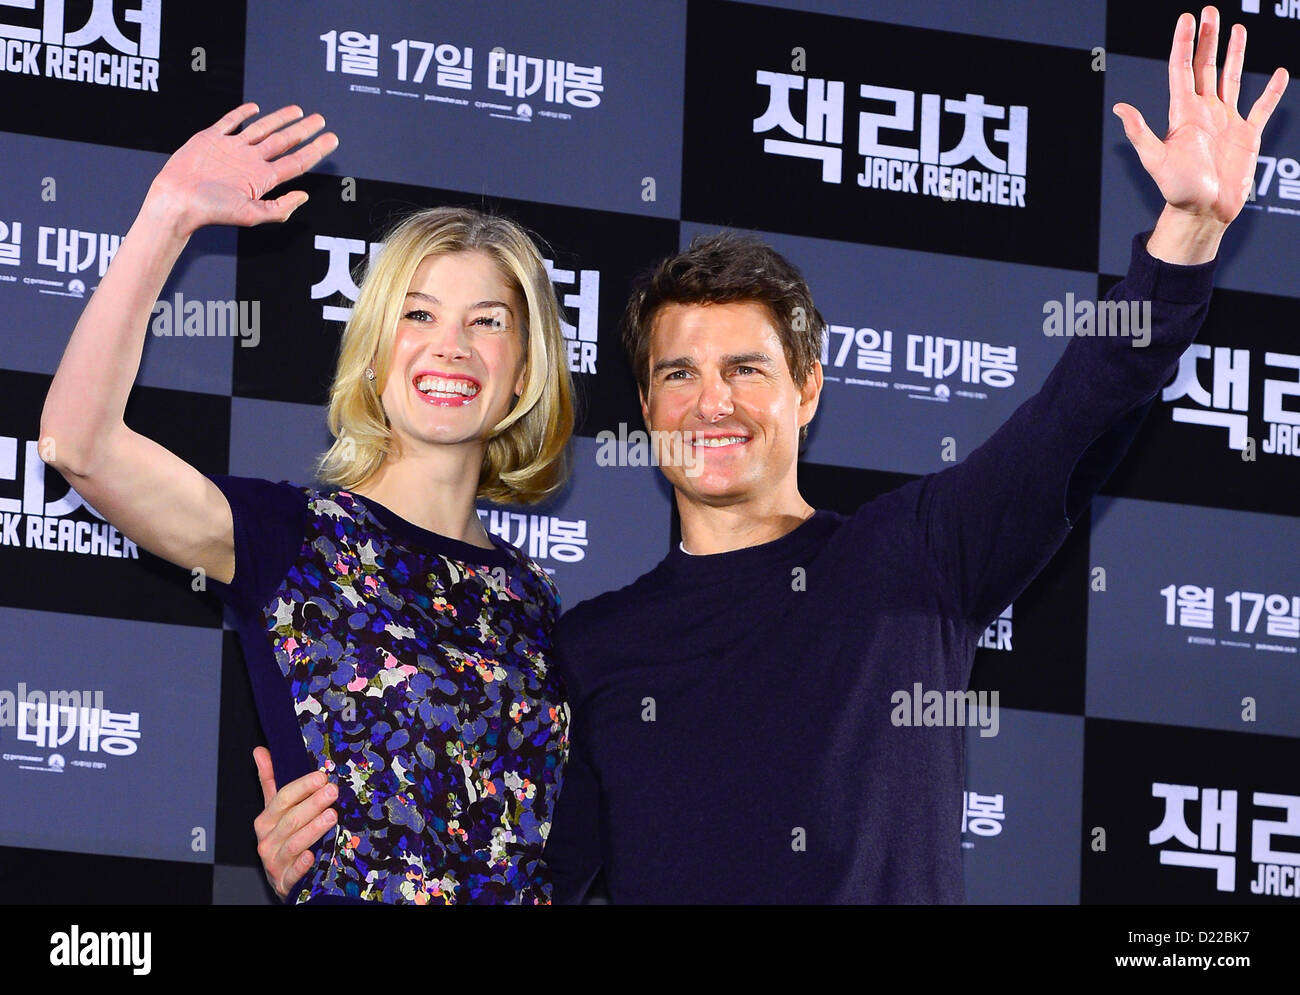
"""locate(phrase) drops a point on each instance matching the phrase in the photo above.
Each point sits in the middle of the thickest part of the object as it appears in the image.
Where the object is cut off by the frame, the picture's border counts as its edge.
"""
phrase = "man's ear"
(810, 393)
(645, 408)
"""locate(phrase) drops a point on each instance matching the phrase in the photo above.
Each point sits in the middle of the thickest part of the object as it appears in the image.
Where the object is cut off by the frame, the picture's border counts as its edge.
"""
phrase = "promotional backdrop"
(938, 174)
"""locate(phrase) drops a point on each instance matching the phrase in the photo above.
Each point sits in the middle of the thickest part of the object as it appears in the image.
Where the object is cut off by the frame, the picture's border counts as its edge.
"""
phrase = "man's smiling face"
(719, 377)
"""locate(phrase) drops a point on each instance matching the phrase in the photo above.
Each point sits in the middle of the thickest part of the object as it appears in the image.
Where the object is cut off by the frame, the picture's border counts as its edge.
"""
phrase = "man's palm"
(1206, 164)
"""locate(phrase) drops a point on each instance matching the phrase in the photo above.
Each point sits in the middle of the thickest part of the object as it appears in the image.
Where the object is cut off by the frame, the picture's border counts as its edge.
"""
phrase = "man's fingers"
(286, 799)
(1205, 63)
(1148, 146)
(280, 820)
(1230, 84)
(300, 843)
(265, 773)
(1268, 100)
(286, 848)
(1182, 82)
(274, 121)
(292, 873)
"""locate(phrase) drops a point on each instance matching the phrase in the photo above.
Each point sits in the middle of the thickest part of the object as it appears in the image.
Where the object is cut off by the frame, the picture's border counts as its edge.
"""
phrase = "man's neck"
(720, 529)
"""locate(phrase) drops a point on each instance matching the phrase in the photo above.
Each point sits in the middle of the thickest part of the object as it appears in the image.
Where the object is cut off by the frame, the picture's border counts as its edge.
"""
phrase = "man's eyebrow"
(433, 300)
(675, 363)
(733, 359)
(747, 359)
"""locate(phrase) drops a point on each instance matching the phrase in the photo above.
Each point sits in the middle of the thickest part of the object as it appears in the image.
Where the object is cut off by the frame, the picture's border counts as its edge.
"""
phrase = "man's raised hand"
(1205, 167)
(220, 175)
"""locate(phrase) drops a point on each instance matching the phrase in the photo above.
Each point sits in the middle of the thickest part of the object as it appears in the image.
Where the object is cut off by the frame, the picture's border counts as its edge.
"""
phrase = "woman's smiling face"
(458, 352)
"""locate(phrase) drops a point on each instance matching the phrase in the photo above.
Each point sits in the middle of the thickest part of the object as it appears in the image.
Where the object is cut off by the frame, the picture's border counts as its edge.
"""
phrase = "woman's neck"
(435, 492)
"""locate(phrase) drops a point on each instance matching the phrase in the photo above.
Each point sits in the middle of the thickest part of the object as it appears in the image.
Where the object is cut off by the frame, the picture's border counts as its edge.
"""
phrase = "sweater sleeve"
(573, 845)
(269, 520)
(991, 523)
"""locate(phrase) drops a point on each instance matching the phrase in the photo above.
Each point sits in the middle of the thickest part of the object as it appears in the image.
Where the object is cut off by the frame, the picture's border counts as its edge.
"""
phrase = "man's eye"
(675, 374)
(746, 369)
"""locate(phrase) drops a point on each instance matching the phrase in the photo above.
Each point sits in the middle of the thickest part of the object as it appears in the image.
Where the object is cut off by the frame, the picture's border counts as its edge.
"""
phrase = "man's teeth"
(725, 440)
(438, 387)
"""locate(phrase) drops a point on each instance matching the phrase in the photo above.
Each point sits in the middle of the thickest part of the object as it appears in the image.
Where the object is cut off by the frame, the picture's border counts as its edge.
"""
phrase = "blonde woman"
(393, 645)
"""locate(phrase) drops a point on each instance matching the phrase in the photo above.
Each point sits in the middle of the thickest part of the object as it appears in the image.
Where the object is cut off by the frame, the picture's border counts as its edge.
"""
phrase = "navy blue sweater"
(731, 737)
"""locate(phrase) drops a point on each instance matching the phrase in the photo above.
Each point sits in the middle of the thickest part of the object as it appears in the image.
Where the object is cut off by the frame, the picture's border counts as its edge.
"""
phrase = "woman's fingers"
(303, 159)
(285, 138)
(231, 120)
(279, 208)
(263, 126)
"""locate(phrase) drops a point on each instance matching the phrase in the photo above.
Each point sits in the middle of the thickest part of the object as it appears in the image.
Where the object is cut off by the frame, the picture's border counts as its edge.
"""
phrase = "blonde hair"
(527, 455)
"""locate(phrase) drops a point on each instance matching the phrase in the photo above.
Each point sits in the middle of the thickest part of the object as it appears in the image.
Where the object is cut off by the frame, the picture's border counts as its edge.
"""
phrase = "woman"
(391, 642)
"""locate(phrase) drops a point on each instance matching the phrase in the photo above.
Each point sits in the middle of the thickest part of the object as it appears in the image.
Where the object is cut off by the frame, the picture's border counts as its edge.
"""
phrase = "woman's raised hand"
(220, 175)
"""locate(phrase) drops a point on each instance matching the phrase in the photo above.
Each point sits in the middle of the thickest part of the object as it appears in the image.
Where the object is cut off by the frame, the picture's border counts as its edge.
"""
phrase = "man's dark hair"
(723, 268)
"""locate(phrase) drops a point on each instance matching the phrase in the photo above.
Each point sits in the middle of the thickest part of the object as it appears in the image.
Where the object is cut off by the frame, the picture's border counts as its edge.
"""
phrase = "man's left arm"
(991, 523)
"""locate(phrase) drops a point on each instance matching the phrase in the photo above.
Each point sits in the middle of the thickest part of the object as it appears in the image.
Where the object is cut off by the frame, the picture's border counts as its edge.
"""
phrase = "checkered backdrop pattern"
(943, 174)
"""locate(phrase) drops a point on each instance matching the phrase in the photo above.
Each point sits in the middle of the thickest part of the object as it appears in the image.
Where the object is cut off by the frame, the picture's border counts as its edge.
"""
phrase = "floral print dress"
(416, 669)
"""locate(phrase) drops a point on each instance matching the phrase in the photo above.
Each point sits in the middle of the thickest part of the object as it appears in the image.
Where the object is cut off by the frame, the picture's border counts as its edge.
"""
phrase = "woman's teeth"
(439, 387)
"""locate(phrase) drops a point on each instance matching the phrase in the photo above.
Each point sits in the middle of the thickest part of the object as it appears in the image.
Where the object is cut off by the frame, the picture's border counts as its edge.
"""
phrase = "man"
(733, 734)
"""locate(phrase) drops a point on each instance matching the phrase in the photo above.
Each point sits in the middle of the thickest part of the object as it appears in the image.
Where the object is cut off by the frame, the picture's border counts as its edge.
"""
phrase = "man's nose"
(715, 399)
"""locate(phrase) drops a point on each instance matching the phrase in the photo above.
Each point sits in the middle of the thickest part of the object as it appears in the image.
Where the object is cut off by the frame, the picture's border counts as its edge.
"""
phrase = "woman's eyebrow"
(433, 300)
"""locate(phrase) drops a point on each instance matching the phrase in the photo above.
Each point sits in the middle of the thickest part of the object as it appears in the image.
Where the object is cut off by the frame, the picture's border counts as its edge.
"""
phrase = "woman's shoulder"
(269, 520)
(258, 497)
(534, 573)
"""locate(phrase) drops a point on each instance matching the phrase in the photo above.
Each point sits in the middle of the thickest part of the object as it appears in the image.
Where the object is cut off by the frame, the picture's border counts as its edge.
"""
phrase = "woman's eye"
(418, 315)
(492, 322)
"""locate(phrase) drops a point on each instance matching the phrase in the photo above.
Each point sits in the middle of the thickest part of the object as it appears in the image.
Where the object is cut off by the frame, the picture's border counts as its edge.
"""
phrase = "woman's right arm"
(151, 495)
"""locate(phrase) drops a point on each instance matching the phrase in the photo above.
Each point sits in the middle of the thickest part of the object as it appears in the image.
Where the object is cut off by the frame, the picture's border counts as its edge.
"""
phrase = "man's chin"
(715, 489)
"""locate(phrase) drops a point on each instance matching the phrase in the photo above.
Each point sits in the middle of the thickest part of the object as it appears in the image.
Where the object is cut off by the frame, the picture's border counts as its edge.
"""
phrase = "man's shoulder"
(588, 619)
(883, 509)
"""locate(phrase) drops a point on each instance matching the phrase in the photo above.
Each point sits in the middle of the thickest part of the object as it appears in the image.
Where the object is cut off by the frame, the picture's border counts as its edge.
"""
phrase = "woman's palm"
(220, 175)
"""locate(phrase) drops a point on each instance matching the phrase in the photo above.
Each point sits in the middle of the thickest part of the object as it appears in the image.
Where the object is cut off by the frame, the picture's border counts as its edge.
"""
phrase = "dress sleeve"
(991, 523)
(269, 520)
